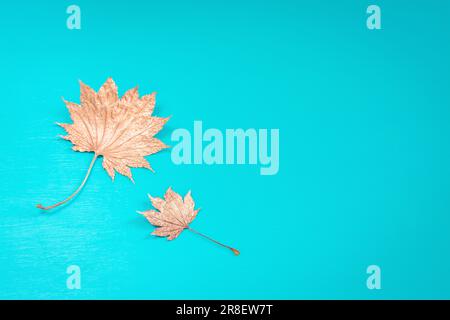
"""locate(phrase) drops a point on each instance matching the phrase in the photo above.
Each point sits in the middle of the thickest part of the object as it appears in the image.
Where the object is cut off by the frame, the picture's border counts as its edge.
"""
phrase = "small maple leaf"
(119, 129)
(173, 215)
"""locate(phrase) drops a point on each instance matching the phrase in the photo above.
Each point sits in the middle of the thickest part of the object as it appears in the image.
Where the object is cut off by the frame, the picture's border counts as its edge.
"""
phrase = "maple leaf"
(119, 129)
(173, 215)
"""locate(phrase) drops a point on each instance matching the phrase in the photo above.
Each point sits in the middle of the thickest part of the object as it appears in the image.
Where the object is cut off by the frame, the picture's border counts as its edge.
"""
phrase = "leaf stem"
(76, 191)
(235, 251)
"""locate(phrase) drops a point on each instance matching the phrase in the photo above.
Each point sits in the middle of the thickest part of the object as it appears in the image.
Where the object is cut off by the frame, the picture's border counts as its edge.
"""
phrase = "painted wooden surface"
(364, 149)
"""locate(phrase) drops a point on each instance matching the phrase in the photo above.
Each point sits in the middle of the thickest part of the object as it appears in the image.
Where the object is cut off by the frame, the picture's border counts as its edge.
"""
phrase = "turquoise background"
(364, 149)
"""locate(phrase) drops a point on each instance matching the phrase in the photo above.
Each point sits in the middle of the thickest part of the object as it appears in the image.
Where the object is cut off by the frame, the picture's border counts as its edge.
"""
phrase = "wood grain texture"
(364, 149)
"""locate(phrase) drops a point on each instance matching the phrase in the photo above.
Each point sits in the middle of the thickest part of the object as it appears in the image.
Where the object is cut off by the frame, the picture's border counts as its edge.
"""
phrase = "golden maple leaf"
(119, 129)
(173, 215)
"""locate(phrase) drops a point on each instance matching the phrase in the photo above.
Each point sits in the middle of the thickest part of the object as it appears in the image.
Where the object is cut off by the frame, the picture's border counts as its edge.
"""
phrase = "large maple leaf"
(119, 129)
(173, 215)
